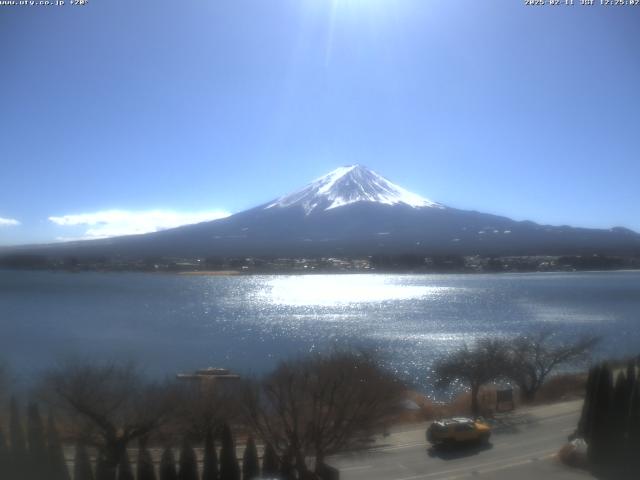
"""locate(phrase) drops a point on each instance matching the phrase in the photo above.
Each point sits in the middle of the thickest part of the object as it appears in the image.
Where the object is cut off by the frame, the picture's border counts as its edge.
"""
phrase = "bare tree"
(205, 407)
(532, 358)
(321, 404)
(109, 405)
(476, 366)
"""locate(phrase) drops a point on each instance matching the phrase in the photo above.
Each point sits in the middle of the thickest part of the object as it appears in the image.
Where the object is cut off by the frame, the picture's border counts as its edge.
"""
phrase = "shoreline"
(383, 272)
(225, 273)
(205, 273)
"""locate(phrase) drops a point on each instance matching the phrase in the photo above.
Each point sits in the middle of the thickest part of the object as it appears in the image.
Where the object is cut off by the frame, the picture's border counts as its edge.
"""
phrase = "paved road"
(523, 447)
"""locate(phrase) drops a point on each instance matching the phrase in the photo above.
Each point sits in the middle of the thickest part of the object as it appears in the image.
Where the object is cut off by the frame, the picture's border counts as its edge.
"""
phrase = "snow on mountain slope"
(347, 185)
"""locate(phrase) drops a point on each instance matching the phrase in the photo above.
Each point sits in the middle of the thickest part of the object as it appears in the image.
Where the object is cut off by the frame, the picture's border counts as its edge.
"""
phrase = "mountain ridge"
(354, 211)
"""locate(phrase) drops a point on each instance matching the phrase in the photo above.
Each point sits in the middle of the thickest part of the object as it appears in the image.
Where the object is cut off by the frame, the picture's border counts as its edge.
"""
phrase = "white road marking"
(527, 458)
(503, 467)
(495, 444)
(356, 467)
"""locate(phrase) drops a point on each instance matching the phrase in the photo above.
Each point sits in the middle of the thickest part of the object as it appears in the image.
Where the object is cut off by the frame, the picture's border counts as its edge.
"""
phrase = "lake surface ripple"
(170, 323)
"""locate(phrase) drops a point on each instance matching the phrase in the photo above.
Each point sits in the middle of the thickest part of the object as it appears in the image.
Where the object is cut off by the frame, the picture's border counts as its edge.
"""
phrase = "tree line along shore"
(401, 263)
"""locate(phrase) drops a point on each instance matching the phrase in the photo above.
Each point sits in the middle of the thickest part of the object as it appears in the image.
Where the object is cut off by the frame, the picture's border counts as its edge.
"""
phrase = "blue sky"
(140, 115)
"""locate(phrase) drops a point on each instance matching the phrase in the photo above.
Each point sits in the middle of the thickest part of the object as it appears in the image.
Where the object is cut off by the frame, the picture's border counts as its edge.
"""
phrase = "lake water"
(172, 323)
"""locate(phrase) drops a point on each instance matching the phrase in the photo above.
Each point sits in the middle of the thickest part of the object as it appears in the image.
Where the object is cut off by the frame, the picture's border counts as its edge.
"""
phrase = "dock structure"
(210, 374)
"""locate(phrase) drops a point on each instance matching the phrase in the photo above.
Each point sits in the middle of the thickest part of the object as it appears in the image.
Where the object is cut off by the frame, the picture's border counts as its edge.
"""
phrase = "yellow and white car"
(458, 430)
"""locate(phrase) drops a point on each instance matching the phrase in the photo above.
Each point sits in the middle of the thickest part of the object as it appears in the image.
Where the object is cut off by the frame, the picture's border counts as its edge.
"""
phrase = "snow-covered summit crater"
(347, 185)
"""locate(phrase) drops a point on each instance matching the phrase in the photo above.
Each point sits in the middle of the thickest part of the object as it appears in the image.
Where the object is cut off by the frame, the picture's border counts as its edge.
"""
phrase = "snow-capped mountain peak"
(347, 185)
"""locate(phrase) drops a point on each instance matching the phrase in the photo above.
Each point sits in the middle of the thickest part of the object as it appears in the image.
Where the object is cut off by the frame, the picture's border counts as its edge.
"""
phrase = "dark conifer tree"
(103, 471)
(631, 376)
(188, 462)
(168, 465)
(18, 462)
(586, 418)
(229, 468)
(599, 450)
(82, 464)
(37, 443)
(210, 466)
(125, 472)
(57, 463)
(144, 470)
(250, 463)
(270, 463)
(286, 467)
(4, 456)
(618, 418)
(633, 440)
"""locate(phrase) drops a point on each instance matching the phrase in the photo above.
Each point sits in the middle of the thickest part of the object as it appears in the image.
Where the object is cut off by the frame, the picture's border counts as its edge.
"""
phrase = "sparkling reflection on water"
(170, 323)
(337, 290)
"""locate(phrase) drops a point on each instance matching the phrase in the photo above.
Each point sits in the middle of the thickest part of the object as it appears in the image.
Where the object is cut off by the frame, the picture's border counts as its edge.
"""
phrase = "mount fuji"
(354, 211)
(349, 185)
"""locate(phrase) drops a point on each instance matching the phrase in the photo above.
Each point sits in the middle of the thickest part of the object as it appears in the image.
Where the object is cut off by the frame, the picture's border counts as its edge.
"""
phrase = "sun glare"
(330, 290)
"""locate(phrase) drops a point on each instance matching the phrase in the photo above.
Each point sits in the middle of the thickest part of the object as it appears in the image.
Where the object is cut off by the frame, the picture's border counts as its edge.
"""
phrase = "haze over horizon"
(123, 118)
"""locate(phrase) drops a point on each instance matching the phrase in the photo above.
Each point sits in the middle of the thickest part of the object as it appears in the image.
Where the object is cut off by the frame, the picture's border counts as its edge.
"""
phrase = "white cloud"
(113, 223)
(8, 222)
